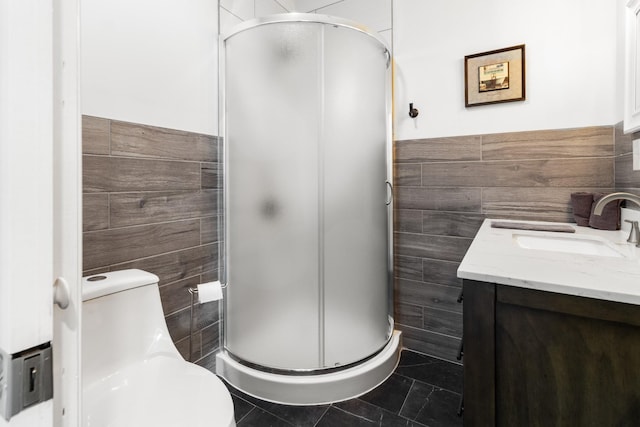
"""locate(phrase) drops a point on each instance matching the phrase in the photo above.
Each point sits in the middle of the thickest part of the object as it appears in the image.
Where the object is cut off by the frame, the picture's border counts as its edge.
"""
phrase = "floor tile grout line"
(413, 382)
(247, 414)
(278, 417)
(323, 414)
(356, 415)
(400, 416)
(430, 384)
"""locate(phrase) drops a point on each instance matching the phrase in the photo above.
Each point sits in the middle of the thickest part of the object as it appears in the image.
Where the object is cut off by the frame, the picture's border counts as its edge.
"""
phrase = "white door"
(40, 204)
(67, 208)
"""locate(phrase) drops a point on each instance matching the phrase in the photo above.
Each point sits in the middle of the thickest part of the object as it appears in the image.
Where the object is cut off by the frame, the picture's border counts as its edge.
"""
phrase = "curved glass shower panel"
(356, 285)
(272, 124)
(306, 145)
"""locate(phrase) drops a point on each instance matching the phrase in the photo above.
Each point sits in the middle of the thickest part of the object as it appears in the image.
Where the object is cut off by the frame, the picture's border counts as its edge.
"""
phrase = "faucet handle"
(634, 233)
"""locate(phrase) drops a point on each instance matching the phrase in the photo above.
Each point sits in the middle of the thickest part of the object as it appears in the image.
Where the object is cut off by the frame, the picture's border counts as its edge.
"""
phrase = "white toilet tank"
(122, 320)
(132, 373)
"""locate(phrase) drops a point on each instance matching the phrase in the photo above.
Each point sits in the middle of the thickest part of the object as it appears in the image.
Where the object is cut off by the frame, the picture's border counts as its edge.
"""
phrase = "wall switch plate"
(636, 154)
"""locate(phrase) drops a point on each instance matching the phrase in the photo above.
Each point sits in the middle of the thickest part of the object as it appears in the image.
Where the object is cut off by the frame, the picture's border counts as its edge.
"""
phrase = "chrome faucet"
(634, 235)
(600, 204)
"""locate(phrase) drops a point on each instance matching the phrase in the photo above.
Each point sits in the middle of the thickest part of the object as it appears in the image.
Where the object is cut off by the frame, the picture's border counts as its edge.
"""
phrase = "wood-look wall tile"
(175, 296)
(435, 247)
(408, 220)
(451, 223)
(409, 174)
(116, 174)
(429, 295)
(136, 140)
(177, 265)
(178, 324)
(408, 314)
(211, 175)
(183, 347)
(95, 212)
(625, 175)
(623, 142)
(210, 276)
(209, 229)
(632, 190)
(95, 135)
(540, 203)
(92, 272)
(107, 247)
(210, 338)
(206, 314)
(208, 361)
(549, 144)
(128, 209)
(442, 346)
(443, 322)
(585, 172)
(441, 272)
(447, 199)
(408, 267)
(438, 149)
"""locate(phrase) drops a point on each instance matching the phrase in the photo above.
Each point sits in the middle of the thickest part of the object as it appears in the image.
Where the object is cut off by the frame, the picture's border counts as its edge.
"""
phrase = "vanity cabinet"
(535, 358)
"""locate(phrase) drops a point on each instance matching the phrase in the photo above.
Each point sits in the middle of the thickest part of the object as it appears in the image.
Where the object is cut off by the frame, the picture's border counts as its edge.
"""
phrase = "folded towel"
(610, 218)
(581, 203)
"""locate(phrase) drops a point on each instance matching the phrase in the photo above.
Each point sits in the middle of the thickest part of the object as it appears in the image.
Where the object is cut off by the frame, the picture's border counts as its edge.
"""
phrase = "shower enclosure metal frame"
(318, 384)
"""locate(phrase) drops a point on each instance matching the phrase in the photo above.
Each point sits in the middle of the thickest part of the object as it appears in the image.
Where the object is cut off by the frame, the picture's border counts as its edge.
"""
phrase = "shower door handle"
(390, 199)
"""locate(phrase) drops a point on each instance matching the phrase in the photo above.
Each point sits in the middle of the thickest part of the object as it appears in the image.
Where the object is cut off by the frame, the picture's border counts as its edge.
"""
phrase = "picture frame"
(495, 76)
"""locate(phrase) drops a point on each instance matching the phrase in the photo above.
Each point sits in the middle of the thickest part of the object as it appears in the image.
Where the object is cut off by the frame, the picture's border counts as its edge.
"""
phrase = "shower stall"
(308, 312)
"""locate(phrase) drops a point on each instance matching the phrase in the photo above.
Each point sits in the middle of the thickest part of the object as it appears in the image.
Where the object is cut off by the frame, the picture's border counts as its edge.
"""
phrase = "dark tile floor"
(422, 391)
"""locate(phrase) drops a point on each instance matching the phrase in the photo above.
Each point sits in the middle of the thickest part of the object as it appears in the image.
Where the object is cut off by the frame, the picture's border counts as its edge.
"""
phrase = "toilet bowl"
(132, 373)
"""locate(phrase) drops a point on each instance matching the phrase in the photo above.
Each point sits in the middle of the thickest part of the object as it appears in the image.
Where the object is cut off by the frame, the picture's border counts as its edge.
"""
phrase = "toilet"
(132, 373)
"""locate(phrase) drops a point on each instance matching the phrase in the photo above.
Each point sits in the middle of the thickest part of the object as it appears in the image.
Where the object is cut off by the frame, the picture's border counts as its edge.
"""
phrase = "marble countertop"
(496, 256)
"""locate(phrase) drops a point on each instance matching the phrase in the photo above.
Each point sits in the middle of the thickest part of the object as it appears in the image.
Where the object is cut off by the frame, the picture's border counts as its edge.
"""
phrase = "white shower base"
(313, 389)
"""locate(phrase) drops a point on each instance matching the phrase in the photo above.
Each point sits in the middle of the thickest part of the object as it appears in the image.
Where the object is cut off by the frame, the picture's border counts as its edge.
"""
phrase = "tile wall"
(150, 198)
(626, 178)
(150, 202)
(446, 187)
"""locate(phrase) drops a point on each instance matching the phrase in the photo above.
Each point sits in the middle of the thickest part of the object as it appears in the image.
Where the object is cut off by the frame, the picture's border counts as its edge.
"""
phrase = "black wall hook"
(413, 112)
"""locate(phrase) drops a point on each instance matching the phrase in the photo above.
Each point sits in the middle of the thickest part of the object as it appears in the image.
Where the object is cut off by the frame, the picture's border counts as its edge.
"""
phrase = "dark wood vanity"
(537, 358)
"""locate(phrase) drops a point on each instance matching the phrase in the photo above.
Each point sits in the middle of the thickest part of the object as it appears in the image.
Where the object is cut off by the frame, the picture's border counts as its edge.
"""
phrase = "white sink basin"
(567, 244)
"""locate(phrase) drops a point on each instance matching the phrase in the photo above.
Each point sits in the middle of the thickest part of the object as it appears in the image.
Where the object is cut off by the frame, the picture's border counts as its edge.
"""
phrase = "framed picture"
(494, 76)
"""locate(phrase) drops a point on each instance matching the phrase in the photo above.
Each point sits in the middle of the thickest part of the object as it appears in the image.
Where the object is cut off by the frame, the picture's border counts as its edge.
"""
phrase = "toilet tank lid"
(102, 284)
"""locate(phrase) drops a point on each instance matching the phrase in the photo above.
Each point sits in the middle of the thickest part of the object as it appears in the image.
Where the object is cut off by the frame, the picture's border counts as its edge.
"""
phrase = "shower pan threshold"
(313, 389)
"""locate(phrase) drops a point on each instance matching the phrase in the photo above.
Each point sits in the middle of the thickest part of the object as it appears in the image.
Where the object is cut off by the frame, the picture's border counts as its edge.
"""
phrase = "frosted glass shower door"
(272, 125)
(356, 282)
(306, 144)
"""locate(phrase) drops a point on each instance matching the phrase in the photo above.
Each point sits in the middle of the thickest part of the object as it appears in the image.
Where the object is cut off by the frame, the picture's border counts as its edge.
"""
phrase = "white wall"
(570, 58)
(154, 62)
(151, 62)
